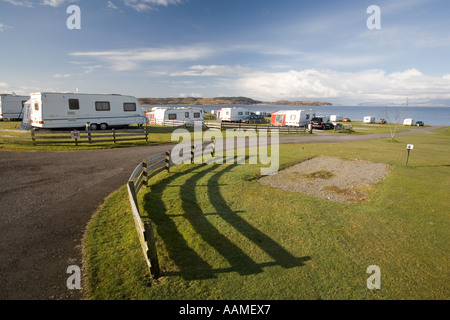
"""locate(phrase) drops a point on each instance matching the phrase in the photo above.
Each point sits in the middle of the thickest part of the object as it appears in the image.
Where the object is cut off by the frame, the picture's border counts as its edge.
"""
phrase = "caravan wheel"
(93, 126)
(103, 126)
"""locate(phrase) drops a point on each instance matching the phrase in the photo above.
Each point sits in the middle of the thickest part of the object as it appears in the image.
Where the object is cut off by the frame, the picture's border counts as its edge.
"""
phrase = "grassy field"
(222, 235)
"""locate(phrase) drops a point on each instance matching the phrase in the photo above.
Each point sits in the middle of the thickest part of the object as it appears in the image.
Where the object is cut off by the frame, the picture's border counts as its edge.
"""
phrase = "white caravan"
(369, 119)
(186, 114)
(297, 118)
(11, 106)
(408, 122)
(75, 110)
(232, 114)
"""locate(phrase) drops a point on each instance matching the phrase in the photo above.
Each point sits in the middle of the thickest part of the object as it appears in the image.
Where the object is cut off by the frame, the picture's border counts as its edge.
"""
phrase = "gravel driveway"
(47, 199)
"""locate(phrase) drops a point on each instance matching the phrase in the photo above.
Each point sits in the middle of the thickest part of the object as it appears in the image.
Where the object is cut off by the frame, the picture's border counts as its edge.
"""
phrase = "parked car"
(347, 120)
(383, 121)
(254, 118)
(419, 123)
(321, 123)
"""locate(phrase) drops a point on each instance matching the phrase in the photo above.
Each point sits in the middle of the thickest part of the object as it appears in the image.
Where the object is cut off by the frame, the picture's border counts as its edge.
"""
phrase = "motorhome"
(11, 106)
(183, 114)
(232, 114)
(295, 118)
(76, 110)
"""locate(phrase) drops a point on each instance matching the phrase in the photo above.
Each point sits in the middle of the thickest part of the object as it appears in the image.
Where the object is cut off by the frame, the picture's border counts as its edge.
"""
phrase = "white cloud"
(111, 5)
(144, 5)
(27, 4)
(212, 70)
(60, 76)
(373, 84)
(52, 3)
(4, 27)
(122, 60)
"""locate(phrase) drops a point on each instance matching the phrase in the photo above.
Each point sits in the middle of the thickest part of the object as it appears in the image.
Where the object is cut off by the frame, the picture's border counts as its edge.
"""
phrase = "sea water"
(429, 115)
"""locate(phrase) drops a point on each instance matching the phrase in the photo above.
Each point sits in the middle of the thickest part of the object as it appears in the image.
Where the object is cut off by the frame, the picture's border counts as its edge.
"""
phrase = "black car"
(419, 123)
(321, 123)
(253, 118)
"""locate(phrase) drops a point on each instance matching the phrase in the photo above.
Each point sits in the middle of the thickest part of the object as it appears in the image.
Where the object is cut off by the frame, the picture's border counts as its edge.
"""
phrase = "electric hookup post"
(409, 147)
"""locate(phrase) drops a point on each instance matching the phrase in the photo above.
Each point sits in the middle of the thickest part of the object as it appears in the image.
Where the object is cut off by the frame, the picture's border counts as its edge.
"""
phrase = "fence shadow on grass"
(191, 266)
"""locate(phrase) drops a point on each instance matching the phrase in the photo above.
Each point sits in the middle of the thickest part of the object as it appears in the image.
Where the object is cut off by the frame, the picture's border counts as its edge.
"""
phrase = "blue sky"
(263, 49)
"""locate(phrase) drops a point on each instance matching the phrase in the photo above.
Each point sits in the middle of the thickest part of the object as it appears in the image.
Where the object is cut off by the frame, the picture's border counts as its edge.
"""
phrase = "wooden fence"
(41, 137)
(139, 178)
(257, 127)
(174, 123)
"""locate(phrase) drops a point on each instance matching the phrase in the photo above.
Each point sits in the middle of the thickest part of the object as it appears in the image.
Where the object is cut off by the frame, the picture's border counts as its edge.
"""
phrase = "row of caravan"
(72, 110)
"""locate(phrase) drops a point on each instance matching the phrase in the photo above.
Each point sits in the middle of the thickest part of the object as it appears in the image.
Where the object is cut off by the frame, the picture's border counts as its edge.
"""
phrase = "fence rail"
(139, 178)
(38, 137)
(174, 123)
(256, 127)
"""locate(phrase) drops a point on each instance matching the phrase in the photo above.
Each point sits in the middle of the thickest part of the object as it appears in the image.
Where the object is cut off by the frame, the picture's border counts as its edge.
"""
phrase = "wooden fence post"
(88, 129)
(144, 171)
(167, 165)
(114, 135)
(33, 137)
(152, 254)
(192, 153)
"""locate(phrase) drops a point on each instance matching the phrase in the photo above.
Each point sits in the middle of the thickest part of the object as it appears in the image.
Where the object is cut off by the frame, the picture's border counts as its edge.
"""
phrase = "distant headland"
(225, 101)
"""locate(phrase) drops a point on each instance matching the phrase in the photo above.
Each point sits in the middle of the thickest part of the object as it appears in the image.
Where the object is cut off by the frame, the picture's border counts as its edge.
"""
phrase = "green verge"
(222, 235)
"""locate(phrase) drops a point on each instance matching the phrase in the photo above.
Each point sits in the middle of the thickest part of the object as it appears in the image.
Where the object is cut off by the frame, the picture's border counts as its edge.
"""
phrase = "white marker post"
(409, 147)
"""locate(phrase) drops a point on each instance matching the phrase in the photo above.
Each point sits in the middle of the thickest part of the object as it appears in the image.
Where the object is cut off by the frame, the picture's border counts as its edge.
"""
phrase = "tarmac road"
(47, 199)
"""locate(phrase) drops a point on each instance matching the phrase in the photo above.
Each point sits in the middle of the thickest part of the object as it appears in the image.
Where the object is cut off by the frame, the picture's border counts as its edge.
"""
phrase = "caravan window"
(186, 114)
(36, 106)
(293, 116)
(128, 106)
(196, 114)
(240, 113)
(74, 104)
(102, 106)
(172, 116)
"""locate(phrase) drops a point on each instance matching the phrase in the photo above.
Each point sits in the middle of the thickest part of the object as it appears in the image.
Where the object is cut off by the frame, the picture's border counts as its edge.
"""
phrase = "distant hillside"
(301, 103)
(225, 101)
(197, 101)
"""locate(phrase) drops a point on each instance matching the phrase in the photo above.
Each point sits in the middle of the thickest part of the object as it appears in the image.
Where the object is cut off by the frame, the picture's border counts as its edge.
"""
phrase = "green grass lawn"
(222, 235)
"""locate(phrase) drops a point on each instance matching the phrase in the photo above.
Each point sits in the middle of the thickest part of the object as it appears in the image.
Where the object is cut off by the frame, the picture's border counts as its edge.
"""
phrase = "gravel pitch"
(336, 179)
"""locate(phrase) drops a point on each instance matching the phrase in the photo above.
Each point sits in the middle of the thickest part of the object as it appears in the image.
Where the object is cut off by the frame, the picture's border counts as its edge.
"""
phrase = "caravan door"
(26, 120)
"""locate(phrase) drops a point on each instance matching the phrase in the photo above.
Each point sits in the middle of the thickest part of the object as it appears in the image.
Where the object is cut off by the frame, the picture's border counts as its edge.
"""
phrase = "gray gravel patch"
(336, 179)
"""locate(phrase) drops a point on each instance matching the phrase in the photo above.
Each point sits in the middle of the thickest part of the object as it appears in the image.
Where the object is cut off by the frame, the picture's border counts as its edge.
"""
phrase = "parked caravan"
(336, 118)
(11, 106)
(297, 118)
(187, 114)
(232, 114)
(294, 118)
(75, 110)
(408, 122)
(278, 118)
(369, 119)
